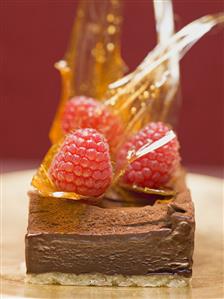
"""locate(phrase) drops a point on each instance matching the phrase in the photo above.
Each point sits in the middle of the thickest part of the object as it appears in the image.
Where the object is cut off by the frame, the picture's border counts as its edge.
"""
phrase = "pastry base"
(156, 280)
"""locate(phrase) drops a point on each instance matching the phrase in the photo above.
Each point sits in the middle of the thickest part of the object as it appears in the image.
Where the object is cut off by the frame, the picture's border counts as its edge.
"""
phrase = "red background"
(34, 35)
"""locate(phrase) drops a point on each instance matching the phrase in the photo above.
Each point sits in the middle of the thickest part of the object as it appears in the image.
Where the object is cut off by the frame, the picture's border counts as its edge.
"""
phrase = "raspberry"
(83, 112)
(82, 164)
(155, 168)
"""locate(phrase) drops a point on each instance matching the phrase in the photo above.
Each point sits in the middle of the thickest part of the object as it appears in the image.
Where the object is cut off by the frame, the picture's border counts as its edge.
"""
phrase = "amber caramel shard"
(93, 59)
(94, 51)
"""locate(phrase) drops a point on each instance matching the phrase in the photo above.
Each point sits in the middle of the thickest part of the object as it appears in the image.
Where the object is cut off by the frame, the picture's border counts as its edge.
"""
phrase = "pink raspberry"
(83, 112)
(82, 164)
(155, 168)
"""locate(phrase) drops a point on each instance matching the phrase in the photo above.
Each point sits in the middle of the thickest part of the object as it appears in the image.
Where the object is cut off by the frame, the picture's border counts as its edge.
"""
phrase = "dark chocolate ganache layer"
(73, 237)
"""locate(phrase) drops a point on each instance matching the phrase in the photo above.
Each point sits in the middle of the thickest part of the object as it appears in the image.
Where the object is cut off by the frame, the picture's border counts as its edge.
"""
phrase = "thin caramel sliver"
(146, 190)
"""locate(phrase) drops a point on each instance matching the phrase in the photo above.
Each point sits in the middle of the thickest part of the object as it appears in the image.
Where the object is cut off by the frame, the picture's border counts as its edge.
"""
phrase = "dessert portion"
(110, 205)
(130, 227)
(145, 242)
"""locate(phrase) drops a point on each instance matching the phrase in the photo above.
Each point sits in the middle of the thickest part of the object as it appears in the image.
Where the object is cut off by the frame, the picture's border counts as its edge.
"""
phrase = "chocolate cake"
(113, 243)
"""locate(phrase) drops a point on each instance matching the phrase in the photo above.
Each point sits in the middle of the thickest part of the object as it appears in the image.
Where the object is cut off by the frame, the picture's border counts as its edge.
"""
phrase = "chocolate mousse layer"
(112, 238)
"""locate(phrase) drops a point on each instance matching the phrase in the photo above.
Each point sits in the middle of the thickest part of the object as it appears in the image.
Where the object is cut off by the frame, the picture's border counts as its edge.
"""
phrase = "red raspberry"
(82, 164)
(155, 168)
(83, 112)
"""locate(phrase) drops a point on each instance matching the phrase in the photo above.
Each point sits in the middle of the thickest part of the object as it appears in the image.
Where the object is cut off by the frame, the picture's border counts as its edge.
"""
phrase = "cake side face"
(81, 239)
